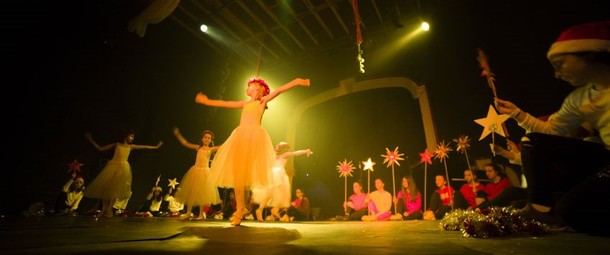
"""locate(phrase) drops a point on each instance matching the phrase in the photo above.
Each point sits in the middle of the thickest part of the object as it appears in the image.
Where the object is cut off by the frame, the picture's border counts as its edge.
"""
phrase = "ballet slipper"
(202, 216)
(276, 213)
(236, 221)
(259, 215)
(186, 216)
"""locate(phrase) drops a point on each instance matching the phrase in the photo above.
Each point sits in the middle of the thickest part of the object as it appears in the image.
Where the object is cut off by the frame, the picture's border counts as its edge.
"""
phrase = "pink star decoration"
(426, 157)
(74, 167)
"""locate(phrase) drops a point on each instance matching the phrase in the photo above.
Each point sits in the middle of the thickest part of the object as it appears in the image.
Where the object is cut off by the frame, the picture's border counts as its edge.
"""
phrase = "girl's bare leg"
(240, 201)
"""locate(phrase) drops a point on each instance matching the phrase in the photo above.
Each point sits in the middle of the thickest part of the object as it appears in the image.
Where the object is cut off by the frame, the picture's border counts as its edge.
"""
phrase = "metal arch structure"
(350, 86)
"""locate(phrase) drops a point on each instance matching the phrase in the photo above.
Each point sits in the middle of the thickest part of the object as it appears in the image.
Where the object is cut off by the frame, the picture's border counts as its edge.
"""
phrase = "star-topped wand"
(172, 183)
(491, 81)
(463, 144)
(492, 124)
(426, 159)
(391, 158)
(442, 153)
(345, 169)
(74, 168)
(368, 167)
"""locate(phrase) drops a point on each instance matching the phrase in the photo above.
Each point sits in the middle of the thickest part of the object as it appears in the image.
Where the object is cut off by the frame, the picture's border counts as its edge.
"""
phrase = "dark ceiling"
(284, 29)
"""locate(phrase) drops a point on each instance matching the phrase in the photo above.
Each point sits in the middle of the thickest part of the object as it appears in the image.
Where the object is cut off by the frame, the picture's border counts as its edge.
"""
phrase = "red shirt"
(470, 195)
(446, 194)
(494, 189)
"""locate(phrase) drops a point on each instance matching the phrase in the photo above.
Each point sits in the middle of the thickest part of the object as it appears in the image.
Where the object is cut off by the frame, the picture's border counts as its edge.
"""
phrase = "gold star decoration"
(392, 157)
(74, 167)
(492, 123)
(426, 157)
(368, 165)
(463, 143)
(442, 151)
(172, 183)
(345, 168)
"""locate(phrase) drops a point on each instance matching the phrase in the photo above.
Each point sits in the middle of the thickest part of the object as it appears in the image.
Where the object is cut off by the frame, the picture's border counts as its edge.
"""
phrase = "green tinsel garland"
(493, 222)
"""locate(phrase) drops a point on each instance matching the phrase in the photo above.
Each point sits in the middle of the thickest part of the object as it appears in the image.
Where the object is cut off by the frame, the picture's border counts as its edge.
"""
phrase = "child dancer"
(277, 194)
(408, 200)
(379, 203)
(152, 206)
(247, 156)
(114, 181)
(194, 188)
(174, 207)
(72, 193)
(356, 206)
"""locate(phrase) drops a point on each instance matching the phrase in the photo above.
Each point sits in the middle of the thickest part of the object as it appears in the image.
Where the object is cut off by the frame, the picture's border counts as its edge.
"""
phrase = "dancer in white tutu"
(247, 156)
(277, 193)
(195, 190)
(114, 181)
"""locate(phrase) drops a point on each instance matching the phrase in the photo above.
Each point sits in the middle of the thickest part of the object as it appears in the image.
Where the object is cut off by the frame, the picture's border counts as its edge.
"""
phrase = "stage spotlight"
(203, 28)
(424, 26)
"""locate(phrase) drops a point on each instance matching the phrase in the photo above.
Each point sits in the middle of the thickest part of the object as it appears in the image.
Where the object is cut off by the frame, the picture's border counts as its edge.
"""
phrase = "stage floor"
(86, 235)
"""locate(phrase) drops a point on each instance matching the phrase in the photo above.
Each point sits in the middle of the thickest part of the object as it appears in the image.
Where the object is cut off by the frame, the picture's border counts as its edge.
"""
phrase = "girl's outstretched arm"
(183, 141)
(286, 87)
(307, 152)
(138, 147)
(97, 146)
(204, 100)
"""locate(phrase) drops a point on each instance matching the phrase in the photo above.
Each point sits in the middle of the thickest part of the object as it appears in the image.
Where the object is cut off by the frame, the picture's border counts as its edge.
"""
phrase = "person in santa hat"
(554, 162)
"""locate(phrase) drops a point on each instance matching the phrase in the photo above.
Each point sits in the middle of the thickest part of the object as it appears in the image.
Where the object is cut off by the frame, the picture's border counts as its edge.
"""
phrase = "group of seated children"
(377, 205)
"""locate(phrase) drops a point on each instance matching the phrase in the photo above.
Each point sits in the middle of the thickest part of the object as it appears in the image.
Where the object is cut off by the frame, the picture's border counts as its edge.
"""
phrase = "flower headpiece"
(261, 82)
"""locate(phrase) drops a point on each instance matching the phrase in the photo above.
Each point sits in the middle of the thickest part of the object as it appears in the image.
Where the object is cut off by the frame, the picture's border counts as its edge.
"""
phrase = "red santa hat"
(589, 37)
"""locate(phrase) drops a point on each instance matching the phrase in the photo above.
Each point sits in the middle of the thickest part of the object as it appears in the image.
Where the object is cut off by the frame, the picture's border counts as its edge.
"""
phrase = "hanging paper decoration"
(360, 57)
(154, 13)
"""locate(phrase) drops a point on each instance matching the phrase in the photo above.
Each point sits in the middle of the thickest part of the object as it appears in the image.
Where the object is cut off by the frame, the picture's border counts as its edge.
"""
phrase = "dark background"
(73, 68)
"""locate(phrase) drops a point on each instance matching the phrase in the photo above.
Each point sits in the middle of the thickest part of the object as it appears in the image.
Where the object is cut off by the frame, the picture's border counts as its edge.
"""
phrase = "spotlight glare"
(424, 26)
(203, 28)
